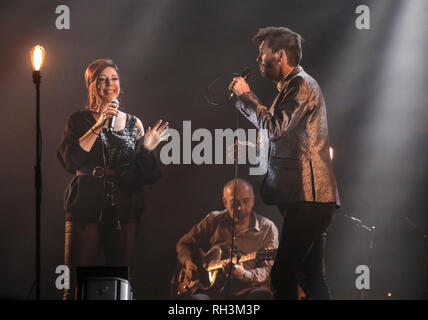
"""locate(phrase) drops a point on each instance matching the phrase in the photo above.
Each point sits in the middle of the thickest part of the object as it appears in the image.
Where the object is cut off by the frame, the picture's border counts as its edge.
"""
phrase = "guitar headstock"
(266, 254)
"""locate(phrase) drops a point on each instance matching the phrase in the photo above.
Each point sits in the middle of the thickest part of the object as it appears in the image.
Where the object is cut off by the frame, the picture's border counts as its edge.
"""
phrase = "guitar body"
(182, 286)
(208, 278)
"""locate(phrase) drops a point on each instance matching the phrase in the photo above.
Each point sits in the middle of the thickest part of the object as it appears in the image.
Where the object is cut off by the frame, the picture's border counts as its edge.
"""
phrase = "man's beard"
(267, 70)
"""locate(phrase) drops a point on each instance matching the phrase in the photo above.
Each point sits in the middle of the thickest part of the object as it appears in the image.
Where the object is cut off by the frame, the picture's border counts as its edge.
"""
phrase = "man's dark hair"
(278, 38)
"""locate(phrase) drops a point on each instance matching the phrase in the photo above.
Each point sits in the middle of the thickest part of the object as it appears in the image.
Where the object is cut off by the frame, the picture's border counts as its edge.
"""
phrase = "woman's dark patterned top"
(119, 152)
(120, 145)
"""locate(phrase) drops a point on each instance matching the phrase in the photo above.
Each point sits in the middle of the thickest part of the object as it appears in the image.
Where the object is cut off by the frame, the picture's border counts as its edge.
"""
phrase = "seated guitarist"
(250, 279)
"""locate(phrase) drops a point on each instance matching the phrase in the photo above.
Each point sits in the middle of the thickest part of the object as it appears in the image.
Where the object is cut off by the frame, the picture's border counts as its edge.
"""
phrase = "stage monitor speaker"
(103, 283)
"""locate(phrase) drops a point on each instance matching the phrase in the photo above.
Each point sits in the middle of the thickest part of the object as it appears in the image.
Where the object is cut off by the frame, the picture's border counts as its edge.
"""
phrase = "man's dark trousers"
(300, 257)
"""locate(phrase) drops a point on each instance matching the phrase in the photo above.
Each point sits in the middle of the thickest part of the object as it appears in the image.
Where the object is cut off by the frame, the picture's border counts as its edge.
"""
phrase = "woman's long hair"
(91, 75)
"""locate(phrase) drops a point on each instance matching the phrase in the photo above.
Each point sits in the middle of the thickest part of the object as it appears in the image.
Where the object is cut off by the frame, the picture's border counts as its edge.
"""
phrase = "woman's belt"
(100, 172)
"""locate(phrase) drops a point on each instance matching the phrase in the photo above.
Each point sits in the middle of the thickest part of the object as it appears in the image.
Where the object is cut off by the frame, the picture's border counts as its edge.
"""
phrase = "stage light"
(331, 152)
(37, 57)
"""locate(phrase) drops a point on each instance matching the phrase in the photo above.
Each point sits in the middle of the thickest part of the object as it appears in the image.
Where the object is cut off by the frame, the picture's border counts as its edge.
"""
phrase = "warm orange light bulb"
(37, 57)
(331, 153)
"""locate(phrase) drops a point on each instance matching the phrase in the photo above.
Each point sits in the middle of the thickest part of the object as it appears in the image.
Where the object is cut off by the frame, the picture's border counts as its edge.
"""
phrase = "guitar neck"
(219, 265)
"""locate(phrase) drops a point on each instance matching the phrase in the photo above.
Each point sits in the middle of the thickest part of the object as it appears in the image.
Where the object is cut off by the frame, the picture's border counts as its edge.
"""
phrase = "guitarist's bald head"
(241, 184)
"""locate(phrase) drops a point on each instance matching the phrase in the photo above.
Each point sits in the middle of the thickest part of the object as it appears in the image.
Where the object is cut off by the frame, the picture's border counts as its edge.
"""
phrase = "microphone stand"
(364, 295)
(245, 74)
(232, 243)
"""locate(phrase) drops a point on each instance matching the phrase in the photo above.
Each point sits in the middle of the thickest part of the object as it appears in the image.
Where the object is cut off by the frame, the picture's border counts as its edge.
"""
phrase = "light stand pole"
(37, 58)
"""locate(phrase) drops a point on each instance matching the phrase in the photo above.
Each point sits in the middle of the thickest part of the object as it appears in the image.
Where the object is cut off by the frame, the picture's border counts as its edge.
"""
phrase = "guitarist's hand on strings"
(237, 270)
(190, 267)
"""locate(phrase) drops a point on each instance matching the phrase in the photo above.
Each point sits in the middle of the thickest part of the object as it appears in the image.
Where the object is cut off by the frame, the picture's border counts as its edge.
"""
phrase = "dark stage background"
(374, 82)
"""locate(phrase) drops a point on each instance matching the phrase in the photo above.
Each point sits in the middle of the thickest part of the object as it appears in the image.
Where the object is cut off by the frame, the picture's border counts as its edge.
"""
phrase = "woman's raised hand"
(155, 135)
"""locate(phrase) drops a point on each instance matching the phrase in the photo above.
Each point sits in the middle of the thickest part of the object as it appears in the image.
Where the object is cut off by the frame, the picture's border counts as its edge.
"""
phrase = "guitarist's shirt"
(215, 230)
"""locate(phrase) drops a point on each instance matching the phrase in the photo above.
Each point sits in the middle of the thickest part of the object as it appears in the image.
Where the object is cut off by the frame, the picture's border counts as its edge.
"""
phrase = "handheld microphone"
(244, 74)
(113, 118)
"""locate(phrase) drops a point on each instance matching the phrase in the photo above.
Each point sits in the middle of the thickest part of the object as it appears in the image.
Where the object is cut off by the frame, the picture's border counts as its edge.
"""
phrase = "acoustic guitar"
(209, 264)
